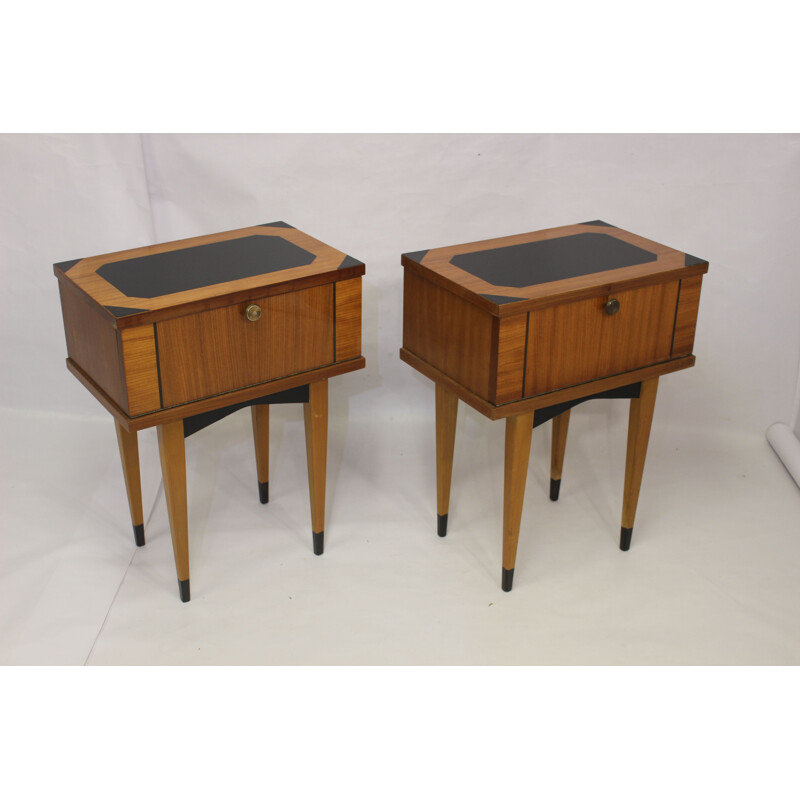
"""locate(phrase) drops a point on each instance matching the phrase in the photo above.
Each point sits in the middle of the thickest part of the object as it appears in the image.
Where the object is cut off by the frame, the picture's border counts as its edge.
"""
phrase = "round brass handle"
(612, 306)
(253, 312)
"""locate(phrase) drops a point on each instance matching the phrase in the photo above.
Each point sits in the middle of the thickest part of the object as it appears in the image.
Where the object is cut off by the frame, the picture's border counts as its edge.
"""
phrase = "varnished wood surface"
(558, 445)
(219, 351)
(209, 404)
(93, 344)
(141, 369)
(686, 316)
(454, 336)
(315, 414)
(172, 452)
(578, 342)
(435, 266)
(446, 415)
(519, 430)
(348, 318)
(324, 269)
(129, 455)
(550, 398)
(260, 417)
(639, 422)
(508, 350)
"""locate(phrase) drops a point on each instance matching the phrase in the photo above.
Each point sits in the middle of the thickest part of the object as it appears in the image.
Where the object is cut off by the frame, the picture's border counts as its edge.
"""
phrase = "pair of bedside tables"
(522, 328)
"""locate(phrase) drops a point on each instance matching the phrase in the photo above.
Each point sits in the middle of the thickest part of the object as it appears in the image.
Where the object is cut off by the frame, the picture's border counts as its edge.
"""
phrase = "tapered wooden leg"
(129, 454)
(316, 419)
(260, 415)
(173, 469)
(519, 430)
(639, 421)
(560, 428)
(446, 413)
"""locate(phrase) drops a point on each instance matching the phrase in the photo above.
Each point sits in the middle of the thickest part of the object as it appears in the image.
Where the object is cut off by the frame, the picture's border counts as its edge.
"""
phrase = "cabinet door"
(217, 351)
(579, 342)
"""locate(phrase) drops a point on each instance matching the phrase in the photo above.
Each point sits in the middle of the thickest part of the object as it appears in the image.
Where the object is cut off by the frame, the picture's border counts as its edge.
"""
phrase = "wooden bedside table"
(525, 327)
(180, 334)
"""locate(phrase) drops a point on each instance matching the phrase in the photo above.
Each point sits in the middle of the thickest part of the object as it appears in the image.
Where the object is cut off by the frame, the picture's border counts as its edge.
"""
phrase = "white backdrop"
(731, 199)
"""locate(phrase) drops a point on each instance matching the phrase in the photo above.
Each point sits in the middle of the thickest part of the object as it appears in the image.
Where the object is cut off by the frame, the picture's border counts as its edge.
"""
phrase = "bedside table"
(180, 334)
(525, 327)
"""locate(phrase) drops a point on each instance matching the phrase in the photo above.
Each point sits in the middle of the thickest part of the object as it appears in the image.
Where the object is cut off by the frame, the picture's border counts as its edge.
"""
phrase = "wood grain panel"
(93, 343)
(218, 351)
(510, 335)
(449, 333)
(141, 369)
(348, 318)
(578, 342)
(686, 316)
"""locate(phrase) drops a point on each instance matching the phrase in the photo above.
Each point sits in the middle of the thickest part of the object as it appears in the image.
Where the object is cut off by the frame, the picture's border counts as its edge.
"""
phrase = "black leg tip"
(184, 589)
(625, 538)
(442, 523)
(263, 491)
(555, 488)
(508, 579)
(138, 535)
(319, 543)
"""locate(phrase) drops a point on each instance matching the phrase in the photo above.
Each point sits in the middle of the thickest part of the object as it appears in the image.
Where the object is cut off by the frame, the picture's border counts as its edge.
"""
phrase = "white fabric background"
(712, 576)
(731, 199)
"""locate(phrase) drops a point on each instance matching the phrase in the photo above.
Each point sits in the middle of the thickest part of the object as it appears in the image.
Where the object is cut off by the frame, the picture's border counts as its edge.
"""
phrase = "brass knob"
(253, 312)
(612, 306)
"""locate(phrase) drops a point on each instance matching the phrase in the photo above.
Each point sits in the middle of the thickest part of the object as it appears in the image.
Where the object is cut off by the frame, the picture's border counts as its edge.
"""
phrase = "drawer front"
(578, 342)
(217, 351)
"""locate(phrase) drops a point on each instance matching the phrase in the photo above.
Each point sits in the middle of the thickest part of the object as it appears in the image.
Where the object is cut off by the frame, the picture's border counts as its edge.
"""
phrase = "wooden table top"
(519, 273)
(143, 284)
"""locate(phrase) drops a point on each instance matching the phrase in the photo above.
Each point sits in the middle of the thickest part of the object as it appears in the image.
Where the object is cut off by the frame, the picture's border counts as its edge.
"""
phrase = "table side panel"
(449, 333)
(93, 343)
(140, 357)
(686, 316)
(511, 333)
(578, 342)
(347, 297)
(218, 351)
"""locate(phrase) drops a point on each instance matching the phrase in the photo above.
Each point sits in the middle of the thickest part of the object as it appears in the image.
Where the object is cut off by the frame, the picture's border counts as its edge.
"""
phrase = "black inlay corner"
(555, 488)
(184, 590)
(279, 224)
(500, 299)
(442, 524)
(417, 255)
(508, 579)
(138, 535)
(349, 261)
(119, 311)
(625, 538)
(693, 261)
(548, 260)
(203, 265)
(65, 266)
(319, 543)
(599, 222)
(263, 491)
